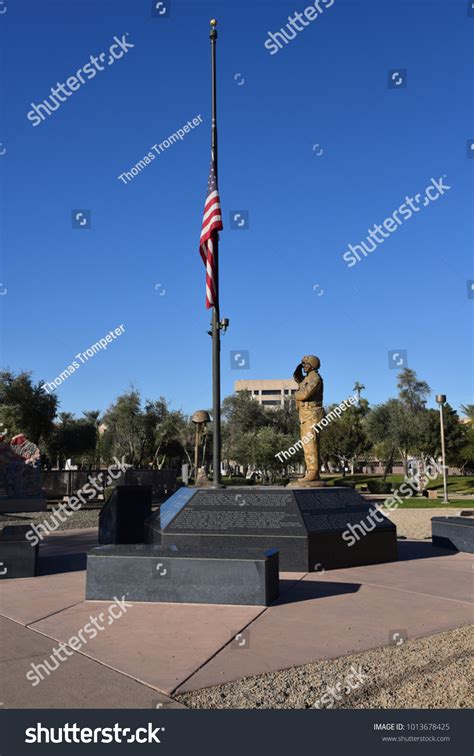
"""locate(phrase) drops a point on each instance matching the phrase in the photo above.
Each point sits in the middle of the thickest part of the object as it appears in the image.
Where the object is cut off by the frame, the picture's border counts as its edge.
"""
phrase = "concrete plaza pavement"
(155, 651)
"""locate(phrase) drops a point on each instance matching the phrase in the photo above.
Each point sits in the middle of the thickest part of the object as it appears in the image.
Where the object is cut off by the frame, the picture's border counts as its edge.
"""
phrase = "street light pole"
(441, 400)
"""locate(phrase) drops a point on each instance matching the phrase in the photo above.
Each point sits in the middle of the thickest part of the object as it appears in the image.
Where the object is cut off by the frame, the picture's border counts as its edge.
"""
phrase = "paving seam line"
(104, 664)
(230, 641)
(418, 593)
(29, 625)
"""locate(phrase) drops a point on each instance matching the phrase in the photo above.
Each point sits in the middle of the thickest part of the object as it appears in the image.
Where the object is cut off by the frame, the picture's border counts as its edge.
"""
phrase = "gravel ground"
(84, 518)
(411, 523)
(428, 673)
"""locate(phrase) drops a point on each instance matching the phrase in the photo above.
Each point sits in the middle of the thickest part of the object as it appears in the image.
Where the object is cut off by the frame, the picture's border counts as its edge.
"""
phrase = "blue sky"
(284, 284)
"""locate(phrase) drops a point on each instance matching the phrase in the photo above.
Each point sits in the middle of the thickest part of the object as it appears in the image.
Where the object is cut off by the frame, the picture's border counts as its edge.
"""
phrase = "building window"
(271, 392)
(270, 401)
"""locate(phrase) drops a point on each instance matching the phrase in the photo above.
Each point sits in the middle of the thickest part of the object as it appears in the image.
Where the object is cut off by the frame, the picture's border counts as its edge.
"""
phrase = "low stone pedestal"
(144, 572)
(300, 483)
(455, 533)
(18, 558)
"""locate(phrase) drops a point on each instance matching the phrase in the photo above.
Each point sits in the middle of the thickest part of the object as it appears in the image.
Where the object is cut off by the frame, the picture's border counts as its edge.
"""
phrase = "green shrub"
(237, 482)
(379, 486)
(345, 483)
(108, 492)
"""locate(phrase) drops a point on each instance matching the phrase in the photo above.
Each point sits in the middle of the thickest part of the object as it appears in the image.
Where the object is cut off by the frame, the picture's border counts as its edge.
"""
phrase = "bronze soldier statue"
(309, 403)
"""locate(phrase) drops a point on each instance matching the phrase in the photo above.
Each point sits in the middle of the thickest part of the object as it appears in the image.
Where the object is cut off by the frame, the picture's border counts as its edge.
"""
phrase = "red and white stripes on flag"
(208, 245)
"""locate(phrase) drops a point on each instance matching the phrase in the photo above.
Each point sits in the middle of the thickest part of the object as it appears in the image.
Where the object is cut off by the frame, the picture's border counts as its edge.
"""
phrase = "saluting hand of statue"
(298, 374)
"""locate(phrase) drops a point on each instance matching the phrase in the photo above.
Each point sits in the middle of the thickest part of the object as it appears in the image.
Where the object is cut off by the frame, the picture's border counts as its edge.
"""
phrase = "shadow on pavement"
(307, 590)
(408, 550)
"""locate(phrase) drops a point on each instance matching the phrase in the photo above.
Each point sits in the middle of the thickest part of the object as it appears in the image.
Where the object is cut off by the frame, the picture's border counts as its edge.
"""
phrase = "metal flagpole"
(216, 337)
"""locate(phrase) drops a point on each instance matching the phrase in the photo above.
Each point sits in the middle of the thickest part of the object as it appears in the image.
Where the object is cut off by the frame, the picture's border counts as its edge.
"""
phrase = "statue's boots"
(310, 476)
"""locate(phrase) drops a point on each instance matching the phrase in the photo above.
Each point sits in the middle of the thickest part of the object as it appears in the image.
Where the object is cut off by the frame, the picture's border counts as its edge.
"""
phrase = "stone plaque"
(174, 505)
(265, 513)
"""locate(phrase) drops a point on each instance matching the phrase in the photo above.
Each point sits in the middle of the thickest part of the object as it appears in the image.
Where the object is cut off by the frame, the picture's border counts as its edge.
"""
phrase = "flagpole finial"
(213, 33)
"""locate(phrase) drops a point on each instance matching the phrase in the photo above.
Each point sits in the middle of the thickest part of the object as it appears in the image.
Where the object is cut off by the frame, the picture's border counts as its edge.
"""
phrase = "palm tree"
(93, 417)
(468, 410)
(66, 417)
(358, 388)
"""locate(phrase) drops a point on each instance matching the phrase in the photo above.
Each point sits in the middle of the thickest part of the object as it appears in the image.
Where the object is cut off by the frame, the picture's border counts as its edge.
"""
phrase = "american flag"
(211, 225)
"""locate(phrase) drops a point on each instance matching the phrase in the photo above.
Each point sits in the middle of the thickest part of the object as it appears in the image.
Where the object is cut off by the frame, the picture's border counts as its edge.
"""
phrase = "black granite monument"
(305, 525)
(121, 519)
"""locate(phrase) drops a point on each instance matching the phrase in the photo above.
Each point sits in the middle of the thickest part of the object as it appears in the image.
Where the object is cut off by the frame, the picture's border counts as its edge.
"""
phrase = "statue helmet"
(313, 360)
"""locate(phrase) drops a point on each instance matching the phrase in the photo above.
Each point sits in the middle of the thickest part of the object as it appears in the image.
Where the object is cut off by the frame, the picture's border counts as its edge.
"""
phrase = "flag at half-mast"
(211, 225)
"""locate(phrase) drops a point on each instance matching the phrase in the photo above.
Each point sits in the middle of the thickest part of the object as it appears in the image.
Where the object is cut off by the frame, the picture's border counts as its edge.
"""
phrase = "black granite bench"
(148, 572)
(455, 533)
(18, 558)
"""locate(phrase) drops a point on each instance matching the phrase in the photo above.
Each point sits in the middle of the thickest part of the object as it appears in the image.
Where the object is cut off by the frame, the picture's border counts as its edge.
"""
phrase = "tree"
(72, 439)
(241, 415)
(455, 436)
(258, 449)
(149, 435)
(466, 453)
(93, 417)
(25, 407)
(285, 419)
(468, 411)
(344, 439)
(392, 423)
(164, 429)
(412, 392)
(358, 388)
(126, 433)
